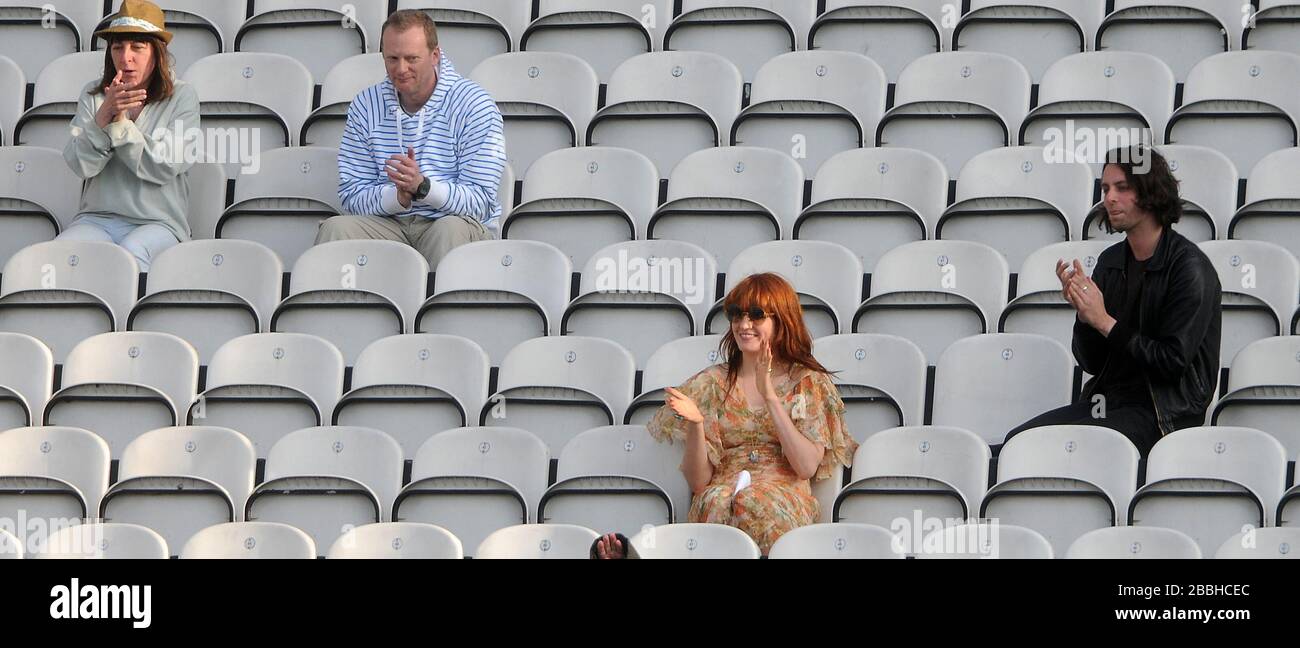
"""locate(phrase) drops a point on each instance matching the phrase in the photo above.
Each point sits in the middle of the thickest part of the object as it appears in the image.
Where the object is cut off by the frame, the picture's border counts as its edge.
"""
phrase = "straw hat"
(137, 17)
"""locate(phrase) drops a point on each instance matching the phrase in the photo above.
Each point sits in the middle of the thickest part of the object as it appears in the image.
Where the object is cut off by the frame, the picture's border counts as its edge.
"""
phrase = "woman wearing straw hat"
(127, 140)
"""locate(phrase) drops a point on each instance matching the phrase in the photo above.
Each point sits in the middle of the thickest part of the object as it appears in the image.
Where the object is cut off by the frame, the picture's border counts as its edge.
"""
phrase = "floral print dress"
(739, 439)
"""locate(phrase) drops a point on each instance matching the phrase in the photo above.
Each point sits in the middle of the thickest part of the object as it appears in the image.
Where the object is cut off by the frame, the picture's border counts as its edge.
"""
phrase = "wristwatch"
(422, 190)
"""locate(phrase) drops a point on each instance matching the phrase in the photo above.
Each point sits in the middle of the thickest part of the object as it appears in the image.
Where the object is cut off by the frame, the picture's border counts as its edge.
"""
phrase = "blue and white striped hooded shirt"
(458, 141)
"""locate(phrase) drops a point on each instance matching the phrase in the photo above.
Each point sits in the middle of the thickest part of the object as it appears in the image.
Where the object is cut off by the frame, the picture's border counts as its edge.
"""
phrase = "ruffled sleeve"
(703, 388)
(818, 413)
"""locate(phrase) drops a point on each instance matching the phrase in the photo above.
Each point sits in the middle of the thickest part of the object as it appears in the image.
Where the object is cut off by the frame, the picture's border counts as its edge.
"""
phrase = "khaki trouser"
(432, 237)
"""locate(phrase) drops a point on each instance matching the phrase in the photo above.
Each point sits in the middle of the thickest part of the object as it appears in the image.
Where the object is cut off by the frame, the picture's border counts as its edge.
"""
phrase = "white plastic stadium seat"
(1015, 200)
(694, 541)
(1264, 390)
(319, 33)
(1272, 203)
(347, 79)
(872, 200)
(33, 36)
(473, 481)
(973, 541)
(353, 293)
(812, 105)
(179, 480)
(1063, 481)
(250, 540)
(282, 205)
(326, 480)
(617, 478)
(903, 476)
(546, 101)
(26, 380)
(934, 293)
(728, 198)
(39, 197)
(1261, 543)
(112, 541)
(1040, 307)
(52, 473)
(1178, 32)
(892, 32)
(671, 365)
(1260, 283)
(498, 294)
(1209, 482)
(124, 384)
(267, 385)
(747, 32)
(604, 33)
(643, 294)
(1134, 543)
(583, 199)
(408, 540)
(1239, 103)
(534, 541)
(556, 387)
(1273, 27)
(414, 386)
(844, 540)
(1111, 92)
(881, 379)
(667, 105)
(209, 292)
(992, 383)
(956, 105)
(54, 100)
(14, 85)
(90, 284)
(249, 102)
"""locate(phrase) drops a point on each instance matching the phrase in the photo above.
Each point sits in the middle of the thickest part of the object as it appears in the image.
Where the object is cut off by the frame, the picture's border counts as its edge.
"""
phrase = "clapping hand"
(684, 407)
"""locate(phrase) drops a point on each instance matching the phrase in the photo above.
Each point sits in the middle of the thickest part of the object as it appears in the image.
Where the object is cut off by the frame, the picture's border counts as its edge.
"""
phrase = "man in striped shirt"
(422, 153)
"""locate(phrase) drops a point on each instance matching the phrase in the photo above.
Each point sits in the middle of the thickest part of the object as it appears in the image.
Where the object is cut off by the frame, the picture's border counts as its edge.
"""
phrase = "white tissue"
(743, 481)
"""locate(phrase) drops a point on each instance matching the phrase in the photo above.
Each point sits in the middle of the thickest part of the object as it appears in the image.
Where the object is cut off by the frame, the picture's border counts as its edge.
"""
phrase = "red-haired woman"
(770, 410)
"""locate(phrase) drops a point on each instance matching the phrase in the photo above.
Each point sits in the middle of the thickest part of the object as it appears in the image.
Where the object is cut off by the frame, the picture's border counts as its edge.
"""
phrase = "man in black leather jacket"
(1149, 317)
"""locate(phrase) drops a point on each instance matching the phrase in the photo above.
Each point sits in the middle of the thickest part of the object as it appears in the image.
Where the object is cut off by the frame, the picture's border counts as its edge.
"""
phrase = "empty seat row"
(641, 294)
(178, 480)
(809, 105)
(747, 32)
(267, 384)
(272, 540)
(398, 540)
(723, 199)
(1062, 482)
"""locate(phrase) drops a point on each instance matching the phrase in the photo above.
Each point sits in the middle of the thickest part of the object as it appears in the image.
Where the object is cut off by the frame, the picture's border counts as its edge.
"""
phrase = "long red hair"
(791, 342)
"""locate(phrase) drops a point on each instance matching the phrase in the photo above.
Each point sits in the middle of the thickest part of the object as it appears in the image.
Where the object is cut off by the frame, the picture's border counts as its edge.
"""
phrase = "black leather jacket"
(1176, 337)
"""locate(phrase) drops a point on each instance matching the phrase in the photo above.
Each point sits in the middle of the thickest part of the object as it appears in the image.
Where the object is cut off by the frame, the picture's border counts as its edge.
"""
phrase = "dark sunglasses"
(754, 313)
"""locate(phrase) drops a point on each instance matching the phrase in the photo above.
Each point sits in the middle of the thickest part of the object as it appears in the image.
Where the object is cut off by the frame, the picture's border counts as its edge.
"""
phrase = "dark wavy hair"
(791, 342)
(1148, 173)
(160, 86)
